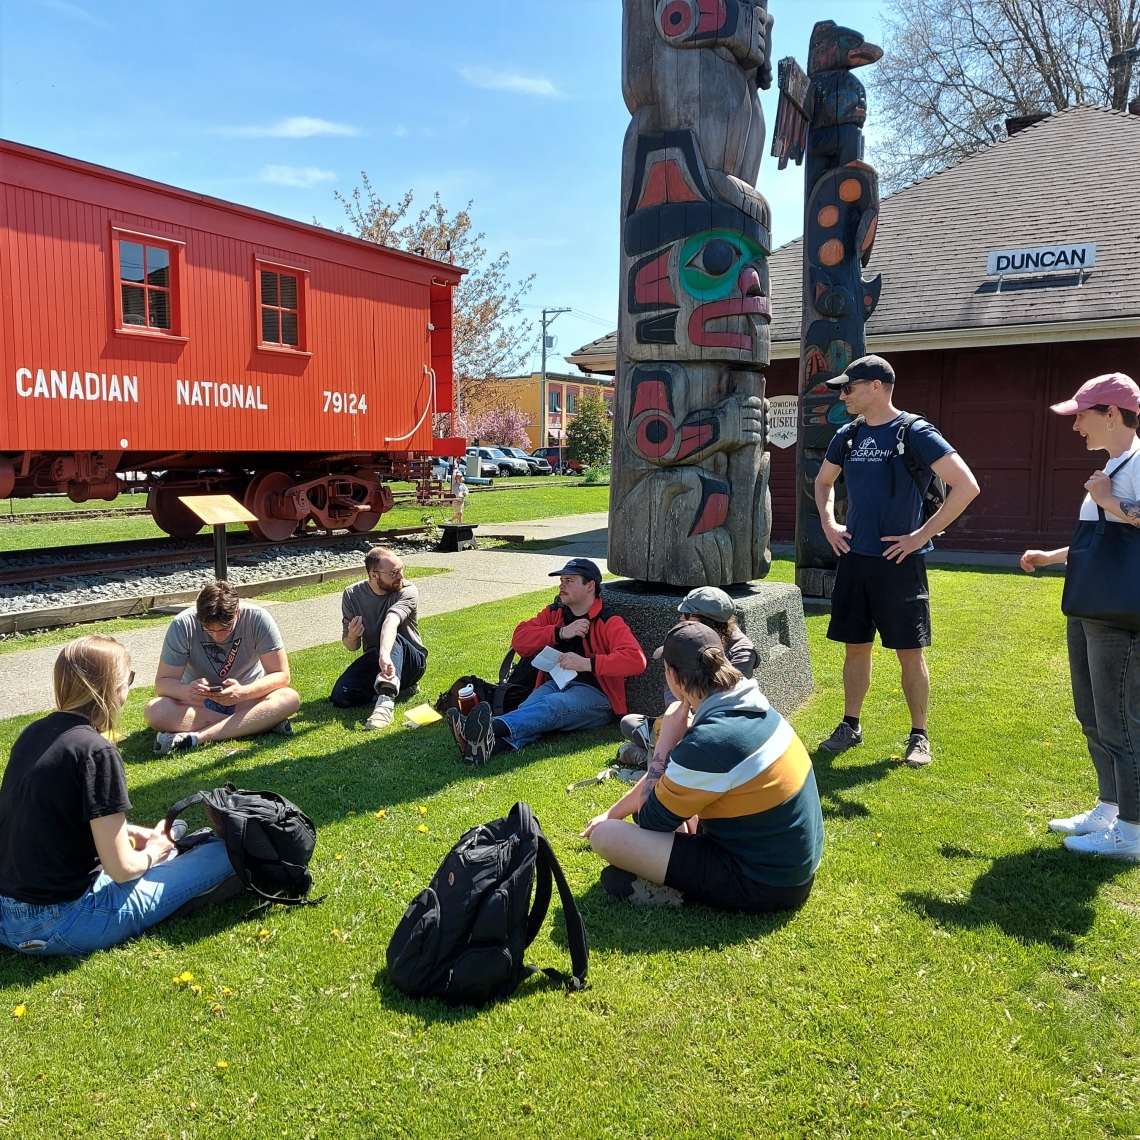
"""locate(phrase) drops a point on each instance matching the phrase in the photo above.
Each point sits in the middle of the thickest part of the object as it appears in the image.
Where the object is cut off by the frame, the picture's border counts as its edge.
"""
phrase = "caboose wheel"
(364, 522)
(257, 500)
(170, 515)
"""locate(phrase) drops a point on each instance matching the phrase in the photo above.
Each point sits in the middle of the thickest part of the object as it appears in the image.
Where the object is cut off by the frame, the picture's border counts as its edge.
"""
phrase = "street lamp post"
(544, 436)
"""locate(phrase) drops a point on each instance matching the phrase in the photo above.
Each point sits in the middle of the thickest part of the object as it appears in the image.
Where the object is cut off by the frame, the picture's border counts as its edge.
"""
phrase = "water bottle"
(467, 699)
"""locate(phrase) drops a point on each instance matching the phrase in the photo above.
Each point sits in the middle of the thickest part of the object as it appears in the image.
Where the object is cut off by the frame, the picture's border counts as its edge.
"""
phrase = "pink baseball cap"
(1115, 389)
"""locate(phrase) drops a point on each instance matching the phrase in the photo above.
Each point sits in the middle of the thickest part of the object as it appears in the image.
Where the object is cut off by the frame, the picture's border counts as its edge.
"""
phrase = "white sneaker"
(383, 713)
(167, 742)
(1109, 843)
(1096, 819)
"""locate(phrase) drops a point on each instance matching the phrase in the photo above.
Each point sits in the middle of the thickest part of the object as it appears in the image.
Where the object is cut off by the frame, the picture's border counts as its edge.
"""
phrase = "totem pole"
(689, 503)
(821, 114)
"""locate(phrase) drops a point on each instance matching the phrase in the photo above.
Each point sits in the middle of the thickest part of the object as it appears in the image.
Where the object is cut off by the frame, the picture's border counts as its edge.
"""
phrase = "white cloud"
(295, 175)
(509, 81)
(299, 127)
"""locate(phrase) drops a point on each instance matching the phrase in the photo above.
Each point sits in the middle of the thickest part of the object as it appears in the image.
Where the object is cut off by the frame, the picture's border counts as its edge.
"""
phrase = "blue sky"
(515, 104)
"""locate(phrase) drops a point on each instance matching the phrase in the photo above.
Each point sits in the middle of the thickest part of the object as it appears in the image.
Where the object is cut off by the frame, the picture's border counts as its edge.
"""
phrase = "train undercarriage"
(286, 491)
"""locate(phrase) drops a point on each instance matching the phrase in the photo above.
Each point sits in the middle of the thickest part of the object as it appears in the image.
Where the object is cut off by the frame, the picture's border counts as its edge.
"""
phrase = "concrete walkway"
(476, 576)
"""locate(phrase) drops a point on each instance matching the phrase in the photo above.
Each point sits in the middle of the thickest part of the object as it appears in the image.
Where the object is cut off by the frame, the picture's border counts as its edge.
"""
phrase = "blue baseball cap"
(583, 567)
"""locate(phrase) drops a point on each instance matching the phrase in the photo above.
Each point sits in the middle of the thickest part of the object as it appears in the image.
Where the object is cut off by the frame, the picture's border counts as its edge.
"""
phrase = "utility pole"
(544, 433)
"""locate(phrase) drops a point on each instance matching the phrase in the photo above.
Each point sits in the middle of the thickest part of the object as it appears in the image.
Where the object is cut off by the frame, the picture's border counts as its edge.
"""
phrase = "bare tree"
(954, 70)
(491, 338)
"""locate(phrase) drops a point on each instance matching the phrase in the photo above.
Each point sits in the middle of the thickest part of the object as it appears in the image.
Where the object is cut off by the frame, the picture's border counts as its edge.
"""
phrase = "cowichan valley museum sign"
(1042, 259)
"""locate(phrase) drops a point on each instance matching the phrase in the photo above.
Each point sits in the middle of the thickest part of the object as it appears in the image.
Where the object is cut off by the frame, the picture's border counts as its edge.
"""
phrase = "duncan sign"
(1042, 259)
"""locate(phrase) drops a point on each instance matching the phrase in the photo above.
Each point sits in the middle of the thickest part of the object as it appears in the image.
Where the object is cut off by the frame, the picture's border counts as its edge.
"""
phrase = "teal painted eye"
(711, 262)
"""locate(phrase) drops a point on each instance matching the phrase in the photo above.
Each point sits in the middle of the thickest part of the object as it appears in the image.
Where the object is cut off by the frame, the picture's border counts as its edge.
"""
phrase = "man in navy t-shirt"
(880, 582)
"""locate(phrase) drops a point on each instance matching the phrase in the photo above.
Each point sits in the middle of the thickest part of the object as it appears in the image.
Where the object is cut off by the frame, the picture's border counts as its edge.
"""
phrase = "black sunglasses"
(130, 678)
(846, 388)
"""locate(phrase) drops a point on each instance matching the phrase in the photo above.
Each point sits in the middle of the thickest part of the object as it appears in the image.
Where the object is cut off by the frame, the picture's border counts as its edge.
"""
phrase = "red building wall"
(366, 314)
(992, 404)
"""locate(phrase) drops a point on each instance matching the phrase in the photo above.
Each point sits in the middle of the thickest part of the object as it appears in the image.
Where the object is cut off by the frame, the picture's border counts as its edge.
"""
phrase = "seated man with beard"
(380, 614)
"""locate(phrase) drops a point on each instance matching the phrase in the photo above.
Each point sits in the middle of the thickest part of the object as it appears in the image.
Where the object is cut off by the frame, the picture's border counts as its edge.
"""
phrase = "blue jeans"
(549, 709)
(109, 912)
(1104, 665)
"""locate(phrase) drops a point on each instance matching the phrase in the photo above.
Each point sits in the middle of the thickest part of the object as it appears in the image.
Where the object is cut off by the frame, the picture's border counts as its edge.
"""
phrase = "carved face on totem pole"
(697, 282)
(742, 26)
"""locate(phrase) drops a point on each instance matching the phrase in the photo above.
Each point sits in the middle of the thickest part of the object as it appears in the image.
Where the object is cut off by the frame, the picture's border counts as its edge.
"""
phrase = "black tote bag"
(1102, 576)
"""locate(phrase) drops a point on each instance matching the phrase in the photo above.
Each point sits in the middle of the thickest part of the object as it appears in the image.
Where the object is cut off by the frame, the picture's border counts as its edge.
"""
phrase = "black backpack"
(931, 488)
(517, 680)
(463, 939)
(268, 839)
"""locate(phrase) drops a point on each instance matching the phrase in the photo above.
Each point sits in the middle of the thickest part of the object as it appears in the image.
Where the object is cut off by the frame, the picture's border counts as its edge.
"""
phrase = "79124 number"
(348, 402)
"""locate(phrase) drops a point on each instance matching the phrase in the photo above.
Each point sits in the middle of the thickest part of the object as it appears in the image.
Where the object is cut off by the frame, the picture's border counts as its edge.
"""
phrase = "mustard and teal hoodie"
(743, 771)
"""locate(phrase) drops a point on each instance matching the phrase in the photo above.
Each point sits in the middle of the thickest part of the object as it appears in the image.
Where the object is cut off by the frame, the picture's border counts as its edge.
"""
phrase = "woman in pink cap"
(1104, 661)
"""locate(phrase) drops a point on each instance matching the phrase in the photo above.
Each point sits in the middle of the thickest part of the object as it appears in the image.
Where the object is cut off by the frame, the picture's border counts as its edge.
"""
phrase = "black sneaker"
(230, 887)
(480, 735)
(842, 738)
(632, 888)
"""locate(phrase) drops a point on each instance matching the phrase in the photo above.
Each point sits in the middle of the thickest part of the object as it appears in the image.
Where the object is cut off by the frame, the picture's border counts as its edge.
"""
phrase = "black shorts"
(881, 594)
(705, 872)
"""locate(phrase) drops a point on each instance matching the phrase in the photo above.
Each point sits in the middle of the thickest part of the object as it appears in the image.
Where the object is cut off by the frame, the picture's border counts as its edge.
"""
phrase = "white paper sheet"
(547, 661)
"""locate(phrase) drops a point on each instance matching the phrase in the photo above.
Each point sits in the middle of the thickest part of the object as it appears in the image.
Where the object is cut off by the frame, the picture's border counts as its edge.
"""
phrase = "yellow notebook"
(420, 715)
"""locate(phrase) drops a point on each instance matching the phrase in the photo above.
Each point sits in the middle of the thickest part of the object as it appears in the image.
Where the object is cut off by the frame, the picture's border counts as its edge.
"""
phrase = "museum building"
(1009, 279)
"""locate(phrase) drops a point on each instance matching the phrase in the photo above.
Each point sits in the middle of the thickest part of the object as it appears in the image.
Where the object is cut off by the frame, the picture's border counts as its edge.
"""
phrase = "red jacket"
(610, 645)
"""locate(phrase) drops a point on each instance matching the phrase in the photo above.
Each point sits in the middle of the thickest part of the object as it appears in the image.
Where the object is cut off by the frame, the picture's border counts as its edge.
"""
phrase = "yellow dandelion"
(878, 835)
(19, 1011)
(223, 1064)
(381, 813)
(422, 829)
(423, 810)
(338, 857)
(263, 933)
(186, 976)
(226, 991)
(336, 933)
(196, 991)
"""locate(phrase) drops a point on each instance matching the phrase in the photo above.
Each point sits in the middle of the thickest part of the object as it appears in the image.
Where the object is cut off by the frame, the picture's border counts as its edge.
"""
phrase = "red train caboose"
(210, 346)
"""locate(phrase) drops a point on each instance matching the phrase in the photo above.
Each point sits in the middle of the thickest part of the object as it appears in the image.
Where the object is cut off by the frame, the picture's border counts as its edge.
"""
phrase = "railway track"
(106, 558)
(400, 497)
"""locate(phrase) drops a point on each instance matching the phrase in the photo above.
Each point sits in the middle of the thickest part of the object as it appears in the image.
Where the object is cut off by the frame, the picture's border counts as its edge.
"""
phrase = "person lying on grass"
(728, 814)
(222, 674)
(595, 644)
(75, 876)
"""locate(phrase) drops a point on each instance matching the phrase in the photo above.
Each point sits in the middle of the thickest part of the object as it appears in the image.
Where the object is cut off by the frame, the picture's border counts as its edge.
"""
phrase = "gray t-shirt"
(189, 645)
(741, 652)
(360, 600)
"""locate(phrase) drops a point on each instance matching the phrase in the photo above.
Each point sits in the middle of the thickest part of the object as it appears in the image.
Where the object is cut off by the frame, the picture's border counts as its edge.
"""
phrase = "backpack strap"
(852, 430)
(182, 805)
(547, 865)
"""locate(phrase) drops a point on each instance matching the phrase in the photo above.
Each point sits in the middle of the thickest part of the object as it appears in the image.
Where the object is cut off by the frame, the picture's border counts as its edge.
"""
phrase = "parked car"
(504, 464)
(559, 462)
(537, 465)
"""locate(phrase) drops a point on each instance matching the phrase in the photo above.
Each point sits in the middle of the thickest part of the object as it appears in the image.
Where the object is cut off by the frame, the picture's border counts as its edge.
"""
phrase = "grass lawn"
(955, 972)
(542, 501)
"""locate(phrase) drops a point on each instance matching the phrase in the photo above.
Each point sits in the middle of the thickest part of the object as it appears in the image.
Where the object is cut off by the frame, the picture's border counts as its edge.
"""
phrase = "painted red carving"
(661, 447)
(651, 286)
(713, 15)
(651, 397)
(714, 513)
(693, 438)
(730, 307)
(666, 183)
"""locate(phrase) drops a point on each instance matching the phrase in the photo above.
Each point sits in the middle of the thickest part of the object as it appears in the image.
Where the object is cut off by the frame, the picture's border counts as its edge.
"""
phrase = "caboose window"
(279, 311)
(144, 280)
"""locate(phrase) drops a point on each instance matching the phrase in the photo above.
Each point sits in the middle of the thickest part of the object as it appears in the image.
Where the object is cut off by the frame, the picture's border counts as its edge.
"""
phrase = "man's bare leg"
(856, 677)
(248, 718)
(625, 845)
(915, 685)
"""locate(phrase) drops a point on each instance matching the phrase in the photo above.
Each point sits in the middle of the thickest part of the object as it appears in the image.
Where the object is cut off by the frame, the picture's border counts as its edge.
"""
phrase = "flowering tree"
(503, 426)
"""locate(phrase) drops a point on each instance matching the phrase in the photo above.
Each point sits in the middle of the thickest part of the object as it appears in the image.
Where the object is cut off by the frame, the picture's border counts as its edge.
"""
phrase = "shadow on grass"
(834, 782)
(1044, 895)
(23, 970)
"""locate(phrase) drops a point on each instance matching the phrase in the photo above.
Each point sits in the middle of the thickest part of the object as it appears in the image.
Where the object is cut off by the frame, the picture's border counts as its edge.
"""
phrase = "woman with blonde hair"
(75, 876)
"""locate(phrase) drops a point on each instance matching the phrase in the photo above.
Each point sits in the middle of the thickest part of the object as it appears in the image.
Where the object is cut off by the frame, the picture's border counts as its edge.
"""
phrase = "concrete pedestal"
(770, 613)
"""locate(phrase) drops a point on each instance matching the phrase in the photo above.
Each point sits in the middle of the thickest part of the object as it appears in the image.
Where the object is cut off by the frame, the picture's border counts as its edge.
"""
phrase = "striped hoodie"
(745, 773)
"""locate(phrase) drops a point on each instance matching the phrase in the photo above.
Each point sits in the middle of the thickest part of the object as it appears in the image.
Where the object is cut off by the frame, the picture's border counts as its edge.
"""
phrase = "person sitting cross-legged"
(380, 613)
(596, 644)
(223, 673)
(728, 814)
